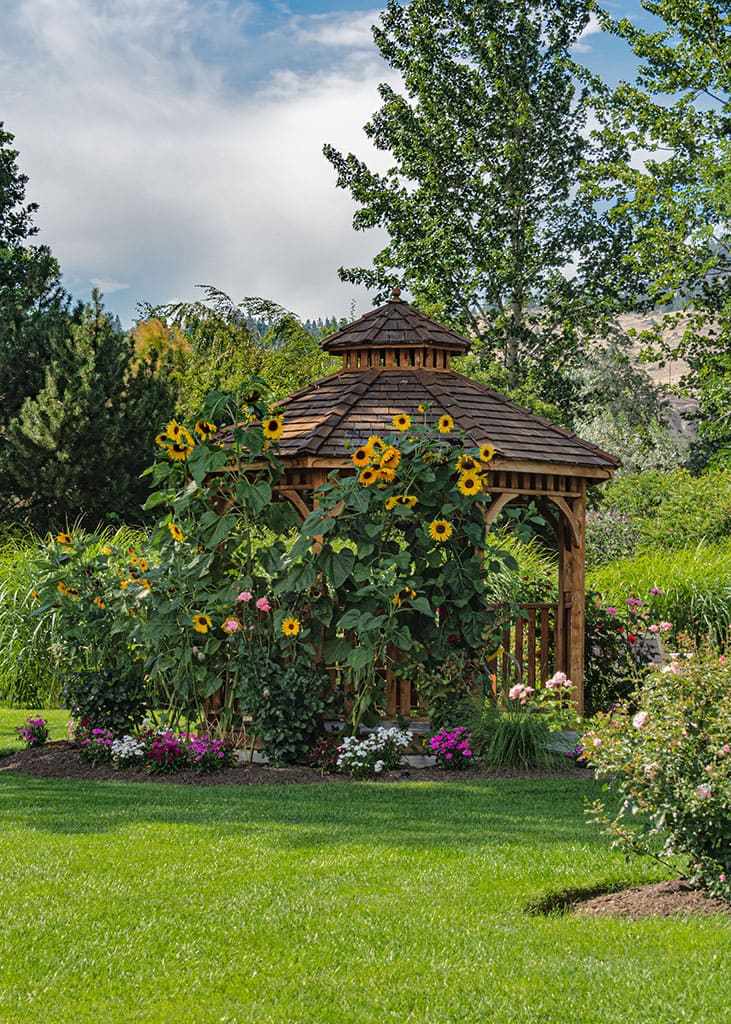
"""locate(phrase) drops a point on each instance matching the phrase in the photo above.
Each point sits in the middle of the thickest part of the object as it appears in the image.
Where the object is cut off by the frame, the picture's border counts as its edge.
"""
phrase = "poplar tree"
(488, 225)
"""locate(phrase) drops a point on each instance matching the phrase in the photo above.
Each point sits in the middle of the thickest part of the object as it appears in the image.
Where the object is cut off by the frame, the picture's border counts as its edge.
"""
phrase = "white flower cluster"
(377, 752)
(127, 749)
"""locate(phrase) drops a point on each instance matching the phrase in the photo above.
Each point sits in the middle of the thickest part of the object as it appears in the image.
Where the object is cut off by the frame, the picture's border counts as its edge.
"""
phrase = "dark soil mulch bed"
(61, 761)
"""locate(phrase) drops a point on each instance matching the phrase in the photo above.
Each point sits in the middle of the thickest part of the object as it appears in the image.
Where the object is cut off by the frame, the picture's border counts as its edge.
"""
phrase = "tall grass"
(28, 676)
(695, 585)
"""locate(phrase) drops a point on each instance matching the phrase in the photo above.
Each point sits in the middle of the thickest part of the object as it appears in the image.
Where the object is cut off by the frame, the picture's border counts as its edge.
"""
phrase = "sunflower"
(163, 439)
(64, 538)
(405, 594)
(390, 459)
(231, 625)
(142, 565)
(386, 475)
(440, 530)
(201, 623)
(176, 532)
(401, 421)
(144, 583)
(465, 463)
(407, 500)
(99, 603)
(391, 503)
(361, 456)
(422, 407)
(205, 429)
(62, 588)
(470, 483)
(373, 442)
(368, 476)
(272, 427)
(106, 550)
(179, 452)
(291, 627)
(486, 452)
(445, 424)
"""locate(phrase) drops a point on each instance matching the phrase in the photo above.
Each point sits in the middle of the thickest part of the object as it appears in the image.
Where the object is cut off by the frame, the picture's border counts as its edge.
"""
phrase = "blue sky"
(171, 143)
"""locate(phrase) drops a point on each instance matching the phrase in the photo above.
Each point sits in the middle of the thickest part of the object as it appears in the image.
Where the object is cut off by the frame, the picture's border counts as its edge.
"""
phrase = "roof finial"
(395, 294)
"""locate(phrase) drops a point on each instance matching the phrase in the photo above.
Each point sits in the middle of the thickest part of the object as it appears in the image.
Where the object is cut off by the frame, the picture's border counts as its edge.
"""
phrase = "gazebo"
(394, 360)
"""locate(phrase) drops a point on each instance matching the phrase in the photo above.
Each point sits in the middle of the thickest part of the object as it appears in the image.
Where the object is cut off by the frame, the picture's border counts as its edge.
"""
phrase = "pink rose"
(703, 792)
(640, 718)
(231, 626)
(245, 596)
(263, 605)
(666, 626)
(654, 629)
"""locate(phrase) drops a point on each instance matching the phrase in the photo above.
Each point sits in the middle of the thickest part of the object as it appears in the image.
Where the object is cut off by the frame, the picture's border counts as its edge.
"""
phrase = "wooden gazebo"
(394, 359)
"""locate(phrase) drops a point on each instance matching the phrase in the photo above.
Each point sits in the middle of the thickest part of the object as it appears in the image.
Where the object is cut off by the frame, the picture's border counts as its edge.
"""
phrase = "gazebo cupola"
(396, 337)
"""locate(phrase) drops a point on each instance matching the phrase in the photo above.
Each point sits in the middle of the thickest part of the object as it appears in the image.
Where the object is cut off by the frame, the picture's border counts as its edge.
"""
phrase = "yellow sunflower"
(440, 530)
(465, 463)
(386, 475)
(272, 427)
(487, 452)
(64, 538)
(163, 439)
(405, 594)
(142, 565)
(445, 424)
(390, 459)
(62, 588)
(291, 627)
(374, 444)
(469, 483)
(179, 452)
(173, 430)
(368, 476)
(106, 550)
(401, 421)
(99, 603)
(409, 500)
(205, 429)
(201, 623)
(391, 503)
(176, 532)
(423, 407)
(361, 456)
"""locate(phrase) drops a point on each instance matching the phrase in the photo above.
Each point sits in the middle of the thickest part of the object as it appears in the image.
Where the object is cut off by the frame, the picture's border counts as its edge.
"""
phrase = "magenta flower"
(611, 611)
(245, 596)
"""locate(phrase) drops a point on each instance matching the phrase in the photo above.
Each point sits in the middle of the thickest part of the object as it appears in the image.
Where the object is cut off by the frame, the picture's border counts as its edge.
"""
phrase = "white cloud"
(592, 28)
(154, 173)
(340, 29)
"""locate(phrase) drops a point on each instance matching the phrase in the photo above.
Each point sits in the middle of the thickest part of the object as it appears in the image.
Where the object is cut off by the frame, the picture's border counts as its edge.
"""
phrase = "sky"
(174, 143)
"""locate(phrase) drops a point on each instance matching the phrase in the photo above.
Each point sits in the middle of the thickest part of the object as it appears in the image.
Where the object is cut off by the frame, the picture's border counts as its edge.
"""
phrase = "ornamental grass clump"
(33, 732)
(666, 754)
(452, 748)
(380, 751)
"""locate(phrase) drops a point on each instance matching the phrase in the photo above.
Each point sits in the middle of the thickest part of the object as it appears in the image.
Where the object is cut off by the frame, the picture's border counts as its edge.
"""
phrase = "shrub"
(117, 702)
(33, 732)
(451, 690)
(208, 753)
(287, 705)
(452, 748)
(378, 752)
(610, 534)
(667, 756)
(324, 755)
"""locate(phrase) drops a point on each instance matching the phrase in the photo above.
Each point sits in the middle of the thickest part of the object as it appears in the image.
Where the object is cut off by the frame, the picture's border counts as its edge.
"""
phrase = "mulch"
(60, 760)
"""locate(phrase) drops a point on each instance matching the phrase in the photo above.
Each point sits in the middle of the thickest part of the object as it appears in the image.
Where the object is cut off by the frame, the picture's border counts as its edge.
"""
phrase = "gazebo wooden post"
(571, 610)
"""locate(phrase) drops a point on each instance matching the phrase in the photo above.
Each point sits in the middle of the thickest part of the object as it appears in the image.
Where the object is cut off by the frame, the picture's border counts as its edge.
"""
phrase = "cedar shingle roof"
(395, 324)
(331, 417)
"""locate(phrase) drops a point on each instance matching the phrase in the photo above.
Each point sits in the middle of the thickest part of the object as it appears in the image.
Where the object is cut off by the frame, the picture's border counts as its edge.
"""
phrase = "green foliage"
(288, 704)
(510, 738)
(27, 674)
(673, 510)
(87, 430)
(106, 699)
(452, 690)
(695, 585)
(668, 758)
(487, 142)
(610, 534)
(215, 344)
(672, 207)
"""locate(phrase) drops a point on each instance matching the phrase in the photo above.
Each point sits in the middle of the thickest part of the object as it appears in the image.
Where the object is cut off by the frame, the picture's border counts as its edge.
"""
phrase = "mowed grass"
(352, 903)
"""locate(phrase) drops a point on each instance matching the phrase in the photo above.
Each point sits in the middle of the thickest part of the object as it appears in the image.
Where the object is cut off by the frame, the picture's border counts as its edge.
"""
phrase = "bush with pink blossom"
(666, 754)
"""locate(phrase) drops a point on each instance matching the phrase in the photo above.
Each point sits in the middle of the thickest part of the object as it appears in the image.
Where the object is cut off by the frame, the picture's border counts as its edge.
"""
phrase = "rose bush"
(666, 754)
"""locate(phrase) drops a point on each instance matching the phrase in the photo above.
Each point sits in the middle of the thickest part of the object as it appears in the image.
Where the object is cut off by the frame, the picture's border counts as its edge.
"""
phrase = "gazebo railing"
(526, 655)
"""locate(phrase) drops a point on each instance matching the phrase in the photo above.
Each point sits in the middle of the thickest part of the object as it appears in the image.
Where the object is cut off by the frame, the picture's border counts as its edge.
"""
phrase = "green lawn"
(353, 904)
